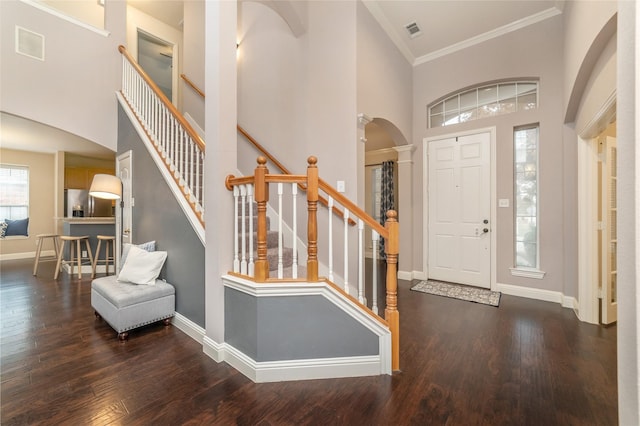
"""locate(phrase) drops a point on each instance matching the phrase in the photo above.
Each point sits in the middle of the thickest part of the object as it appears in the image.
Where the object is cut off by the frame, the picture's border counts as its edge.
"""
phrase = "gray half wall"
(158, 216)
(280, 328)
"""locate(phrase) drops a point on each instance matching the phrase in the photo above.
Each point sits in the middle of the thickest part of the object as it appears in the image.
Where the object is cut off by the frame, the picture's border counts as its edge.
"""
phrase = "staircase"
(260, 254)
(274, 257)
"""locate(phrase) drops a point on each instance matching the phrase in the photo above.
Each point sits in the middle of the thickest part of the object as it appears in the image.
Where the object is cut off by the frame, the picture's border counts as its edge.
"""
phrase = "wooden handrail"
(286, 171)
(390, 232)
(167, 103)
(192, 85)
(361, 214)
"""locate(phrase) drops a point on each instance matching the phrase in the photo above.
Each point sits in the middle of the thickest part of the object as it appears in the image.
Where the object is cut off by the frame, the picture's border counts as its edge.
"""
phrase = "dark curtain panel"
(387, 199)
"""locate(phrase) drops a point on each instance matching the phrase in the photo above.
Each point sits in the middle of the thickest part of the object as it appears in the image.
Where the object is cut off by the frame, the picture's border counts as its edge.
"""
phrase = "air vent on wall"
(413, 29)
(29, 43)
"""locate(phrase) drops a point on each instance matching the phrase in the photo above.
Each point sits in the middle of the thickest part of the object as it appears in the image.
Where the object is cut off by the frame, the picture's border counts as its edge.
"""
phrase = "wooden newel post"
(391, 313)
(312, 223)
(261, 267)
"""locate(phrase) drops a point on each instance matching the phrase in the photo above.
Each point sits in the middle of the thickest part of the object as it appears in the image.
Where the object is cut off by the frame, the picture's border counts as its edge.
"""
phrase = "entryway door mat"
(458, 291)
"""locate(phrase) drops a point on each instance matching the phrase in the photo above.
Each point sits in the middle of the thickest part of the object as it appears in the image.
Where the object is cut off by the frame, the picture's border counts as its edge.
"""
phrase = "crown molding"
(497, 32)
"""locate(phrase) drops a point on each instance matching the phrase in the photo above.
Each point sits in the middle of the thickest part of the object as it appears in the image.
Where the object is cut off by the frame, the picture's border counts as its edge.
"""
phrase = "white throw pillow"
(141, 266)
(148, 246)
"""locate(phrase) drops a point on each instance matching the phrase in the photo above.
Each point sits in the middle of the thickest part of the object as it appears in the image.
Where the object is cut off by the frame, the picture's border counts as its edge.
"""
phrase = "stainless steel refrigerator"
(78, 203)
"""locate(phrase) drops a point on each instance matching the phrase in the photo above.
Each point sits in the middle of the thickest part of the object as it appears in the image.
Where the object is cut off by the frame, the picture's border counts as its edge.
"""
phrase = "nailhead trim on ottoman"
(126, 306)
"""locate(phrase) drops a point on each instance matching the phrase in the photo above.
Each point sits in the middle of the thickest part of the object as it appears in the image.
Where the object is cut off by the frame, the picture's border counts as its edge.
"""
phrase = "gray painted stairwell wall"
(158, 216)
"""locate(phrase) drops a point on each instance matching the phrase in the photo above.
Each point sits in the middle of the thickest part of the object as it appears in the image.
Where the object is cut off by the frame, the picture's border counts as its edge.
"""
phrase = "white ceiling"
(448, 25)
(168, 11)
(26, 135)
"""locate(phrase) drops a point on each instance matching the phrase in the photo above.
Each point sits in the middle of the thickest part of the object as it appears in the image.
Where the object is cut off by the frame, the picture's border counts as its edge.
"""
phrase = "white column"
(220, 160)
(628, 128)
(405, 210)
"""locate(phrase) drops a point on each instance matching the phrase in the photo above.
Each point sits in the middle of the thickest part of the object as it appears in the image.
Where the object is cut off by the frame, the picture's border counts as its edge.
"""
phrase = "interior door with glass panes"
(608, 229)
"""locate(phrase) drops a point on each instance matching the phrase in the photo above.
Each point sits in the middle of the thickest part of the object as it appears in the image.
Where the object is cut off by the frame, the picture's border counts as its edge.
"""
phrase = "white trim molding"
(494, 33)
(302, 369)
(527, 273)
(47, 9)
(189, 328)
(538, 294)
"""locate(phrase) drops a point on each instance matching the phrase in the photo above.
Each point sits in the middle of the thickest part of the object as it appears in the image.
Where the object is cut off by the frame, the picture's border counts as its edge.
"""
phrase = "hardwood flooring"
(524, 363)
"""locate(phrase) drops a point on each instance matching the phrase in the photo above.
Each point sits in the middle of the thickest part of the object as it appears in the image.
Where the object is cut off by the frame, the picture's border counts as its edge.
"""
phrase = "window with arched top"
(484, 100)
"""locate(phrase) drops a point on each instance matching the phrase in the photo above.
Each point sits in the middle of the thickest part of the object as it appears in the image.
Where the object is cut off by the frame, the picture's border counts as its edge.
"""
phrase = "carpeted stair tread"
(272, 240)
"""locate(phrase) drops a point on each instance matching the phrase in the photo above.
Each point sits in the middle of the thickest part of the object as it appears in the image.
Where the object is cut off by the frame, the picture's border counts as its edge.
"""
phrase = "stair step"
(272, 258)
(272, 240)
(255, 223)
(288, 272)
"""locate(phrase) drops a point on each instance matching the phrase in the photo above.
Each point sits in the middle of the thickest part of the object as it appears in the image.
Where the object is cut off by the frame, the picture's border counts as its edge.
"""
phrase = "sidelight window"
(526, 197)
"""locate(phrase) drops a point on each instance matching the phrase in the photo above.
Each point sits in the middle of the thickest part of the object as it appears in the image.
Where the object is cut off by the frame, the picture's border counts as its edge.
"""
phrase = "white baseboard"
(570, 302)
(538, 294)
(189, 327)
(305, 369)
(405, 275)
(27, 255)
(213, 349)
(419, 275)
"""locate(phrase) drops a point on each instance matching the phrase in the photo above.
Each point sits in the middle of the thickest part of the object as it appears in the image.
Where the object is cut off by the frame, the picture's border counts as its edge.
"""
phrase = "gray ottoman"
(127, 306)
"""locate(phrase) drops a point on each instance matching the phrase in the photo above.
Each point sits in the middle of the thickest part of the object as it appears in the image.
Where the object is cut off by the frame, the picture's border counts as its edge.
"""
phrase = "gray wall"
(158, 216)
(293, 327)
(534, 51)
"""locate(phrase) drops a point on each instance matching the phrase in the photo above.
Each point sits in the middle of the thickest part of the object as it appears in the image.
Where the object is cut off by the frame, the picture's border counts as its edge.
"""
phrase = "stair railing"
(263, 151)
(251, 195)
(178, 144)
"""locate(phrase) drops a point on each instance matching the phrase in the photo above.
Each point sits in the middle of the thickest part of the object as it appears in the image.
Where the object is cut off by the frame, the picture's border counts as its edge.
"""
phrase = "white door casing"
(459, 200)
(124, 228)
(609, 245)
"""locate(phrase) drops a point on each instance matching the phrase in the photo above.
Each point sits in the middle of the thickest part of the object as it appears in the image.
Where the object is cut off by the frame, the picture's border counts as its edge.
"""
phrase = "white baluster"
(280, 268)
(346, 250)
(243, 206)
(294, 195)
(236, 261)
(250, 199)
(331, 239)
(375, 237)
(360, 261)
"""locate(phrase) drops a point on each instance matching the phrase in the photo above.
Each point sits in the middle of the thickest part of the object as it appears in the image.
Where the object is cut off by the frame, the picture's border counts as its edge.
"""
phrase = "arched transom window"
(482, 101)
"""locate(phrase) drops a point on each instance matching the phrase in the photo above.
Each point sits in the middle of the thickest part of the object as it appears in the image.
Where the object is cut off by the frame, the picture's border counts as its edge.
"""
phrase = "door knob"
(485, 221)
(485, 230)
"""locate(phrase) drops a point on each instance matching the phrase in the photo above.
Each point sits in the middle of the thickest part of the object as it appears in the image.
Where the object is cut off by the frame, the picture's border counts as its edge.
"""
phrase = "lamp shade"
(106, 186)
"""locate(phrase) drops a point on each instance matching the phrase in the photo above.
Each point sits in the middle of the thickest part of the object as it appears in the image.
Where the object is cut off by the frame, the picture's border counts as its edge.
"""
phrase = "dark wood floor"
(524, 363)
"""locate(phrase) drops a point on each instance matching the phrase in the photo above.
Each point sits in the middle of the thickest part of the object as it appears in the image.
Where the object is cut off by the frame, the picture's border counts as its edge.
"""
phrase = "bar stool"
(108, 241)
(40, 240)
(71, 239)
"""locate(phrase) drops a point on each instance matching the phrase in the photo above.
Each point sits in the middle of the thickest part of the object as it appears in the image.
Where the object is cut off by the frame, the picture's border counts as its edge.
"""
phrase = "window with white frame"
(526, 197)
(14, 192)
(484, 101)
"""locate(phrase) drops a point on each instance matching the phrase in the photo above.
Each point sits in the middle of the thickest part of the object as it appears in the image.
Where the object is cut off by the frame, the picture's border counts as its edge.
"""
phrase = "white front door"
(124, 215)
(459, 188)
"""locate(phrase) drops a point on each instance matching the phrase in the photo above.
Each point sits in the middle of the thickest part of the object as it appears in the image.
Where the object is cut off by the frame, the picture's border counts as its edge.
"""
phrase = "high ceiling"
(447, 25)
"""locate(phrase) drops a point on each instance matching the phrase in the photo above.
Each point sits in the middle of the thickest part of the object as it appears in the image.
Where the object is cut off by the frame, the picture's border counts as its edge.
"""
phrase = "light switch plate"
(340, 187)
(503, 202)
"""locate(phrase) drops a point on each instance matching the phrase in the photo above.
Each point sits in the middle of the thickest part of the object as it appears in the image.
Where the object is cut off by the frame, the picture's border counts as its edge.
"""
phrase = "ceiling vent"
(29, 43)
(413, 29)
